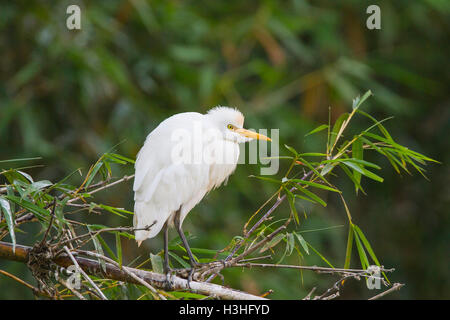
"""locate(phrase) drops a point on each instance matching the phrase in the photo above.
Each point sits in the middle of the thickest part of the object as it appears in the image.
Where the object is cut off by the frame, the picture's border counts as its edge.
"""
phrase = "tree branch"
(113, 272)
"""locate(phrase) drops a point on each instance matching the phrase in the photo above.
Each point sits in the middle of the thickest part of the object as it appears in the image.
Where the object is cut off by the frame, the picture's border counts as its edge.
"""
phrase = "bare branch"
(395, 286)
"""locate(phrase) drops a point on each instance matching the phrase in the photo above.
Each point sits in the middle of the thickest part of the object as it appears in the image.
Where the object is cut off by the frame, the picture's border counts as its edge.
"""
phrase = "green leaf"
(186, 295)
(273, 242)
(366, 245)
(320, 255)
(265, 179)
(311, 167)
(4, 204)
(312, 154)
(318, 129)
(93, 173)
(351, 174)
(313, 196)
(302, 242)
(336, 128)
(98, 248)
(327, 168)
(291, 200)
(362, 254)
(21, 159)
(365, 172)
(123, 158)
(157, 263)
(292, 150)
(106, 247)
(119, 249)
(348, 251)
(357, 153)
(36, 210)
(289, 243)
(316, 185)
(378, 123)
(183, 263)
(358, 101)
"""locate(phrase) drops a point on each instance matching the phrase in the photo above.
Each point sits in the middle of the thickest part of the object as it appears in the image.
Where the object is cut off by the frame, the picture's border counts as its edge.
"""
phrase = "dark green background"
(70, 96)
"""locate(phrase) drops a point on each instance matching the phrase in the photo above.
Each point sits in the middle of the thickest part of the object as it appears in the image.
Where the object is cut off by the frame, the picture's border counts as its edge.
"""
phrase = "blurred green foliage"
(70, 96)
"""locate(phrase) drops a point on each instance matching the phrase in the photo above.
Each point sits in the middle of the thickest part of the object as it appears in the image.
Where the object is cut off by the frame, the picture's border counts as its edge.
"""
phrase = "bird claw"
(169, 273)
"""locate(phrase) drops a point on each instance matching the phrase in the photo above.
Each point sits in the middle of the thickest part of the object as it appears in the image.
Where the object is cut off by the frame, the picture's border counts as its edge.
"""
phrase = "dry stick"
(311, 268)
(395, 286)
(308, 297)
(94, 234)
(327, 294)
(125, 178)
(84, 274)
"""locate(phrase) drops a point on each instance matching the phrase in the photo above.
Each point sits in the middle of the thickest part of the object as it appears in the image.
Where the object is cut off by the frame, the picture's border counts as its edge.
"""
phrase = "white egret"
(184, 158)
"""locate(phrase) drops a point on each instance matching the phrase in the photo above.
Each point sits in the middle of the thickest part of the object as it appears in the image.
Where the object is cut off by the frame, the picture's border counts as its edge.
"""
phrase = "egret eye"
(230, 126)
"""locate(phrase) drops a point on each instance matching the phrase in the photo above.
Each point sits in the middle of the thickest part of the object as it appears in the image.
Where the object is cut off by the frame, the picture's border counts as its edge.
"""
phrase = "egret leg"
(184, 240)
(166, 249)
(167, 268)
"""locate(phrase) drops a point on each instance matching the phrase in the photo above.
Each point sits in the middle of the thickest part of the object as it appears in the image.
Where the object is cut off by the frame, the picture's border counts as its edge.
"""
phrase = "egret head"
(230, 122)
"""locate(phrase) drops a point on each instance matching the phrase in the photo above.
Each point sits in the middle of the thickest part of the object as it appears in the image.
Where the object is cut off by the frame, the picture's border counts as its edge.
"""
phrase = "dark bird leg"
(194, 264)
(167, 268)
(192, 261)
(166, 249)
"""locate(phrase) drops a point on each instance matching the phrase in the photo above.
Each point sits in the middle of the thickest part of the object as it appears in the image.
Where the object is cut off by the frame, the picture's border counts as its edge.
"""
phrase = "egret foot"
(169, 272)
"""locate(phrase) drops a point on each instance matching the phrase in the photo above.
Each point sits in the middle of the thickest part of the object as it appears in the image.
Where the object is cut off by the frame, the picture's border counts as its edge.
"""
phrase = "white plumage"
(185, 157)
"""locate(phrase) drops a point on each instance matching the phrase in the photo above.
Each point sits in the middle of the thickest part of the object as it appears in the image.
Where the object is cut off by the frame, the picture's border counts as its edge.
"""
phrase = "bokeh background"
(69, 96)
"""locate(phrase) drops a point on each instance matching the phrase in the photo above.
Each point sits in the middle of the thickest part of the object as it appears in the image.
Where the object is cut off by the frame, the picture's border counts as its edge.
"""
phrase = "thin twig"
(84, 274)
(395, 286)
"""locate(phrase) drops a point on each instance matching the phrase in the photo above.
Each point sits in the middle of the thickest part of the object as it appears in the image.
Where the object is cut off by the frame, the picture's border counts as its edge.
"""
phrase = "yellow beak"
(252, 134)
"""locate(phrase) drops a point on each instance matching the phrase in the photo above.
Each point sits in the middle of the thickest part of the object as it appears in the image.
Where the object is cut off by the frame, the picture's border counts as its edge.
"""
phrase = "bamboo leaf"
(157, 263)
(313, 196)
(320, 255)
(106, 247)
(36, 210)
(362, 254)
(316, 185)
(351, 174)
(292, 150)
(94, 171)
(180, 261)
(363, 171)
(273, 242)
(318, 129)
(348, 251)
(357, 102)
(291, 200)
(9, 217)
(302, 242)
(336, 129)
(99, 249)
(357, 153)
(119, 249)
